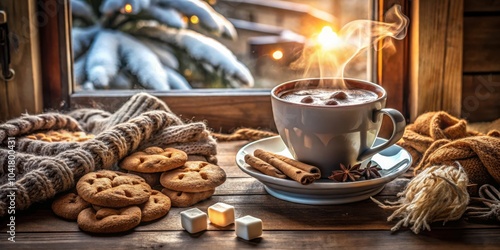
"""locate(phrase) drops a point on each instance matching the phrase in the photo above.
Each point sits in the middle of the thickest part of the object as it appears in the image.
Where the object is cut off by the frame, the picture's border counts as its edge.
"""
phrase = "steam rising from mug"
(330, 52)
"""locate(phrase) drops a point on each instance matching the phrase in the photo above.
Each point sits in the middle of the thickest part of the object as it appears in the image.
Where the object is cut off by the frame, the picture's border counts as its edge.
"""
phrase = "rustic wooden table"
(286, 225)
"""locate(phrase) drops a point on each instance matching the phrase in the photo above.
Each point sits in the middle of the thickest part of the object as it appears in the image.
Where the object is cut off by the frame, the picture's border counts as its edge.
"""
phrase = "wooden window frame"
(222, 109)
(22, 93)
(57, 59)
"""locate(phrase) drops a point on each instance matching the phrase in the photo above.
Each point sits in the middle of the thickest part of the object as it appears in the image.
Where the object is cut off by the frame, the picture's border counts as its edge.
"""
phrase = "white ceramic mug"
(326, 136)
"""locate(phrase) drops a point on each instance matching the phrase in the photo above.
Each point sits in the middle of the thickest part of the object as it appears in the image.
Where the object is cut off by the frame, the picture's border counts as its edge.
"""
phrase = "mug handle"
(398, 124)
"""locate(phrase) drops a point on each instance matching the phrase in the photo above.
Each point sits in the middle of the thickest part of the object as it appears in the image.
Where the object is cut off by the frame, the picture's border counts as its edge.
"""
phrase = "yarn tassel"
(438, 193)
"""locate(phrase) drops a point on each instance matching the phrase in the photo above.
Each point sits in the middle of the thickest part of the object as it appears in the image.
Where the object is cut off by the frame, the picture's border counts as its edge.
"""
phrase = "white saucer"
(394, 161)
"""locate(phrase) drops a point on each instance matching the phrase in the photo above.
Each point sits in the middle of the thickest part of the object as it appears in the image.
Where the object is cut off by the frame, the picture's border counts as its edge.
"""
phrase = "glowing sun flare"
(328, 39)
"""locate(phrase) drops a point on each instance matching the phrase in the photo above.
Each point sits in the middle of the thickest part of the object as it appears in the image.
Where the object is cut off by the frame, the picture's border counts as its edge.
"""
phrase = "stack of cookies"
(110, 202)
(192, 183)
(186, 182)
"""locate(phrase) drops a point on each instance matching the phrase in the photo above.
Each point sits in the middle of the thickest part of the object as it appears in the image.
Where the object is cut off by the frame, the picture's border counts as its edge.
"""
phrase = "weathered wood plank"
(481, 6)
(394, 75)
(435, 58)
(226, 156)
(4, 102)
(481, 43)
(436, 239)
(223, 111)
(427, 55)
(240, 186)
(392, 68)
(23, 93)
(310, 226)
(481, 97)
(452, 73)
(276, 214)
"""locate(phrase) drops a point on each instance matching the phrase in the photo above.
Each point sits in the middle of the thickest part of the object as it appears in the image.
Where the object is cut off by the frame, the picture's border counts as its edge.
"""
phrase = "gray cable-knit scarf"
(34, 171)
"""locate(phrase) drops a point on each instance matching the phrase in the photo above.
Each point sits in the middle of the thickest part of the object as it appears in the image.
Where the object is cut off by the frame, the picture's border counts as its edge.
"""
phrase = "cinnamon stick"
(264, 167)
(289, 170)
(294, 173)
(306, 167)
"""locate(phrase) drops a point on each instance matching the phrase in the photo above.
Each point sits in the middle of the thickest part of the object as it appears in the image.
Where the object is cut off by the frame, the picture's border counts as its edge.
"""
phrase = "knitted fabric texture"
(430, 127)
(42, 169)
(485, 127)
(479, 155)
(439, 138)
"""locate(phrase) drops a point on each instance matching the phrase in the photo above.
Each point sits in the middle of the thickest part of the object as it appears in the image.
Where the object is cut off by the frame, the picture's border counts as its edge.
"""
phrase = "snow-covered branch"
(81, 38)
(208, 17)
(203, 49)
(102, 60)
(143, 63)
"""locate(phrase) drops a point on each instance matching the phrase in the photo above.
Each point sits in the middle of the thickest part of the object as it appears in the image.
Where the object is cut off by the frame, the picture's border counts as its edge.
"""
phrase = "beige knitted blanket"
(437, 138)
(34, 171)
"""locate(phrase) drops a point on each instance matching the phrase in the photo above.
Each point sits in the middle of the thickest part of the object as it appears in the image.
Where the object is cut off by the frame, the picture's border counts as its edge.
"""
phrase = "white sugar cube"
(248, 227)
(194, 220)
(221, 214)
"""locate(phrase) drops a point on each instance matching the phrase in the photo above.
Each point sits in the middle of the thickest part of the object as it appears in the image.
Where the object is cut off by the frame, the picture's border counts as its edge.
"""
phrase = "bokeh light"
(277, 55)
(194, 19)
(128, 8)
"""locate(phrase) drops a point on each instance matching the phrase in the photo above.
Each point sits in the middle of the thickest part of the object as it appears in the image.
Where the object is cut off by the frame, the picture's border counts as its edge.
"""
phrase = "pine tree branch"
(79, 72)
(125, 20)
(162, 51)
(109, 20)
(103, 61)
(111, 6)
(82, 10)
(176, 80)
(81, 39)
(204, 50)
(205, 13)
(167, 16)
(146, 67)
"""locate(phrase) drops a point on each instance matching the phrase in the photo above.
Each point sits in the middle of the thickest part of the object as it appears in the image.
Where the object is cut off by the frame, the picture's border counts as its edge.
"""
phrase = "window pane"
(169, 45)
(272, 36)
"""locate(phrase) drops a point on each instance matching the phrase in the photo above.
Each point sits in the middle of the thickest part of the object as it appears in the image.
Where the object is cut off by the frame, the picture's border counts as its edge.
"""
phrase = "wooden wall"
(455, 58)
(22, 94)
(481, 60)
(436, 56)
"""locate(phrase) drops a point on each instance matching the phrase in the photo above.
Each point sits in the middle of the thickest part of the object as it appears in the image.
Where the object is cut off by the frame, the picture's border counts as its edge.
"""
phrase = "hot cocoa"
(325, 136)
(329, 97)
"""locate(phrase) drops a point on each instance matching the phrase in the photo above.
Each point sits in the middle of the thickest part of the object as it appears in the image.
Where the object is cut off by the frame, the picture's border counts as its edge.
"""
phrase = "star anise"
(371, 172)
(349, 173)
